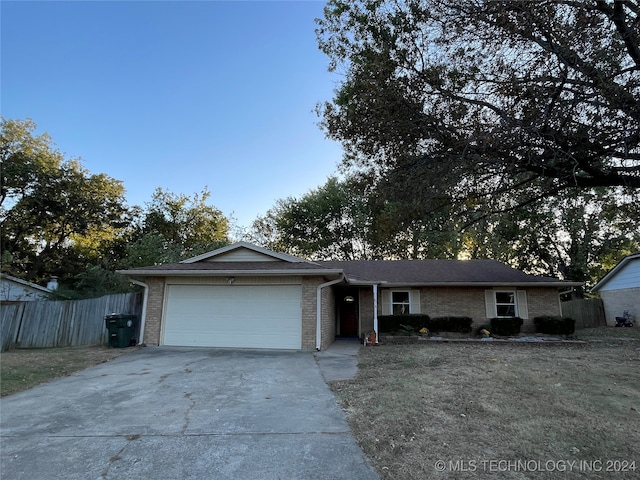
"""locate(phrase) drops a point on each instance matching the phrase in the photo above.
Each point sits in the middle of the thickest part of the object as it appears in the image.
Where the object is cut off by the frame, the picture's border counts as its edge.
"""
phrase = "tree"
(174, 227)
(94, 281)
(330, 222)
(52, 206)
(25, 160)
(483, 98)
(58, 218)
(573, 237)
(149, 249)
(576, 237)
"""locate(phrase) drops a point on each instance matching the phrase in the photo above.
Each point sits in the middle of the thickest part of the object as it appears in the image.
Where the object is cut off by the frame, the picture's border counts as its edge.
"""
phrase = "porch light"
(349, 299)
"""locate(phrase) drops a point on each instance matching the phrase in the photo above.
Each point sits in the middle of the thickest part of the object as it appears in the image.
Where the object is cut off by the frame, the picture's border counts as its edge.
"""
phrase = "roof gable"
(23, 283)
(626, 274)
(243, 252)
(15, 289)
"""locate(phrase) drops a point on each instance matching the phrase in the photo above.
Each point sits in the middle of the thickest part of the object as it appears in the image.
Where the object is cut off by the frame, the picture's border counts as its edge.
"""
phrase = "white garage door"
(260, 316)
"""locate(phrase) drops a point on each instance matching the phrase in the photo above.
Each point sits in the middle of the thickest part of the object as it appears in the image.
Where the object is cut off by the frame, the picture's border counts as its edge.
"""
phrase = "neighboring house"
(14, 289)
(245, 296)
(620, 289)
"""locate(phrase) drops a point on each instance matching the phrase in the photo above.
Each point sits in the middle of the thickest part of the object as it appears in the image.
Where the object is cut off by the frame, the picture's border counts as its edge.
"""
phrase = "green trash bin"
(123, 330)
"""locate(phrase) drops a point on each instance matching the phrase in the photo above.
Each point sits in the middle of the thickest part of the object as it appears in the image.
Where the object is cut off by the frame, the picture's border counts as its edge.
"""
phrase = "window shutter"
(523, 308)
(489, 303)
(386, 302)
(414, 300)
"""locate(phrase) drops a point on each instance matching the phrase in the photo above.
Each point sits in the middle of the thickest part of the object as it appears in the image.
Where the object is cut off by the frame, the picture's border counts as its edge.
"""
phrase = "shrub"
(450, 324)
(505, 325)
(392, 323)
(414, 322)
(555, 325)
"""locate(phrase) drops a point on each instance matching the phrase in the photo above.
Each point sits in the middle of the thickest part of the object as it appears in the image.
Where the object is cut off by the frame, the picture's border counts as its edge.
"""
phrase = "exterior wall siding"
(617, 301)
(11, 291)
(242, 255)
(628, 277)
(155, 304)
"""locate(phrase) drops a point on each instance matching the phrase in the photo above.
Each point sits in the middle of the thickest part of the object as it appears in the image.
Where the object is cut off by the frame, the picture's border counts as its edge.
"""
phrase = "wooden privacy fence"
(68, 323)
(587, 313)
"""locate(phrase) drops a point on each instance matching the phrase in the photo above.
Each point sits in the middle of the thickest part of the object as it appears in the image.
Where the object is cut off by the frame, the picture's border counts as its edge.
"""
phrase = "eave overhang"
(230, 272)
(384, 284)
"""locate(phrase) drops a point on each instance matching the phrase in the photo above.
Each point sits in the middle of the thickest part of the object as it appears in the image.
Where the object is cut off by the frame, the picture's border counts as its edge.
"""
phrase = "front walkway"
(340, 360)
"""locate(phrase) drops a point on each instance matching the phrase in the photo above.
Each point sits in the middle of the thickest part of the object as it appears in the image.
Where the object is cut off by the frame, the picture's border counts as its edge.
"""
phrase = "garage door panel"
(267, 316)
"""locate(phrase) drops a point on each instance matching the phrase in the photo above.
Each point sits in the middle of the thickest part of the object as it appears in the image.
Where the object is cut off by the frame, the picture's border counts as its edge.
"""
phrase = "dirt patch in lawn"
(25, 368)
(463, 410)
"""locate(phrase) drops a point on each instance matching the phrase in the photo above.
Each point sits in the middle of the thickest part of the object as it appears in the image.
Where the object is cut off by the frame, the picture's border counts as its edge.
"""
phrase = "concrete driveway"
(179, 413)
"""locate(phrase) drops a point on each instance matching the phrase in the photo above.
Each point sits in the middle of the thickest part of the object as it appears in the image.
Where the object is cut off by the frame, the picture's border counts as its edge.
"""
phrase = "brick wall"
(463, 302)
(459, 302)
(435, 302)
(366, 310)
(328, 317)
(155, 304)
(541, 301)
(309, 286)
(470, 302)
(309, 314)
(617, 301)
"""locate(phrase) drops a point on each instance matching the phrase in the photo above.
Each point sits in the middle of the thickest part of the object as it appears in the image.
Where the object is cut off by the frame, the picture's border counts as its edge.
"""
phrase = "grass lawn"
(500, 410)
(24, 369)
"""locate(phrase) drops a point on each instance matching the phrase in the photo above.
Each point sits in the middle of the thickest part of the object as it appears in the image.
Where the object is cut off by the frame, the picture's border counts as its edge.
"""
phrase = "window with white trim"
(506, 303)
(400, 303)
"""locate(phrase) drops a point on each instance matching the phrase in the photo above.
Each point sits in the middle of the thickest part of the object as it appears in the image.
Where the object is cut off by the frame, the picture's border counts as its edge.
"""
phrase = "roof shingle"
(434, 272)
(391, 272)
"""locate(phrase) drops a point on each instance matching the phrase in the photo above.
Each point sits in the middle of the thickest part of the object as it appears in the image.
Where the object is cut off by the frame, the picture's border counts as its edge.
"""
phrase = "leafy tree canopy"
(57, 218)
(48, 202)
(330, 222)
(25, 158)
(187, 226)
(576, 237)
(471, 100)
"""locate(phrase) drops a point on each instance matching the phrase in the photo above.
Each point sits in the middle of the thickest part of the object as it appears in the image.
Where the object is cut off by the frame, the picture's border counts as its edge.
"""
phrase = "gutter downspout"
(560, 293)
(375, 311)
(319, 309)
(145, 299)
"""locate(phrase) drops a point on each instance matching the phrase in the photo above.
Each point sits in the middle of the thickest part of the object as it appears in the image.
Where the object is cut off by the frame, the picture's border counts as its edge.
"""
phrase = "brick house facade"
(244, 296)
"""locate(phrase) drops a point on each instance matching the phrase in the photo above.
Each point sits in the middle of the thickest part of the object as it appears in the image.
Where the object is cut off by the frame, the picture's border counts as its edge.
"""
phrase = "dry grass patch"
(471, 404)
(26, 368)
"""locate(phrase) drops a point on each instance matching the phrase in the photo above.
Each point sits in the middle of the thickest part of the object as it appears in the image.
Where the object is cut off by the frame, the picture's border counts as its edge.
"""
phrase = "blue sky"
(179, 95)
